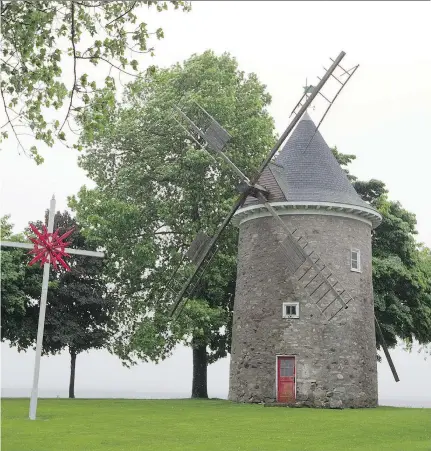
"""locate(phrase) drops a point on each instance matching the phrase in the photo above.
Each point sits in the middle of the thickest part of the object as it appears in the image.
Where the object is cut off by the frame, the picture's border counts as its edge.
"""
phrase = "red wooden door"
(286, 374)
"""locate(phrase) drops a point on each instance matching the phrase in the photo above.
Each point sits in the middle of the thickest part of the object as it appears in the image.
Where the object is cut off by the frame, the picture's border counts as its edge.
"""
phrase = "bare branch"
(139, 51)
(74, 64)
(75, 132)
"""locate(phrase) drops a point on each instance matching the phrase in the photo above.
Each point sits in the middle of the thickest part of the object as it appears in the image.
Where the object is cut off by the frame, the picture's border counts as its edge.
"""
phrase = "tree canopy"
(80, 306)
(43, 40)
(156, 189)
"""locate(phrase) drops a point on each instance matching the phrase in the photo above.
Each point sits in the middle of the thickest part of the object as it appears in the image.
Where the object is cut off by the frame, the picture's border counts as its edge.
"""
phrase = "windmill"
(319, 281)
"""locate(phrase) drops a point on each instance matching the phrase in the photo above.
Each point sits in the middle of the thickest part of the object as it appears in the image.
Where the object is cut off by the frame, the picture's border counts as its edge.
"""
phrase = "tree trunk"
(72, 374)
(199, 387)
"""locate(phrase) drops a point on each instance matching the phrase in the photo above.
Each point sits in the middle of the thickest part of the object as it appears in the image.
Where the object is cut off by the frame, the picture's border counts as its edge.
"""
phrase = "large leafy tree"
(44, 40)
(156, 189)
(80, 306)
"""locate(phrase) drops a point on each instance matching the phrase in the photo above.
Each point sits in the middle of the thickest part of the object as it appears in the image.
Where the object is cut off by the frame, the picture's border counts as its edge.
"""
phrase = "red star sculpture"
(49, 247)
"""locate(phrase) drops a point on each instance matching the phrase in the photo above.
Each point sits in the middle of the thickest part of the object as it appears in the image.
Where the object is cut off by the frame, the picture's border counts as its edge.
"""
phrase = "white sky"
(382, 117)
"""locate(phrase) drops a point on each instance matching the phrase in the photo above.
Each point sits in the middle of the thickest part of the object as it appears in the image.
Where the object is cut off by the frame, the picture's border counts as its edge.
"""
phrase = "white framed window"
(290, 309)
(355, 260)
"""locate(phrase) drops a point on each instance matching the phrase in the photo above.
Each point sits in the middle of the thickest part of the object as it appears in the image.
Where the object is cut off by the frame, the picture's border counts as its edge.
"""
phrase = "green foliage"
(40, 38)
(80, 307)
(156, 189)
(344, 159)
(5, 227)
(196, 425)
(370, 191)
(18, 280)
(401, 267)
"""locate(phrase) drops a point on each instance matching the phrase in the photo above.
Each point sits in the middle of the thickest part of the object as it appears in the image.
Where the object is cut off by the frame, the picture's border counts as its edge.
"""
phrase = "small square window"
(287, 368)
(355, 260)
(290, 309)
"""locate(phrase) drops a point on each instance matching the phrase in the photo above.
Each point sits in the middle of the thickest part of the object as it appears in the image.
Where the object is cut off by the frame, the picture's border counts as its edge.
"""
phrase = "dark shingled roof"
(309, 173)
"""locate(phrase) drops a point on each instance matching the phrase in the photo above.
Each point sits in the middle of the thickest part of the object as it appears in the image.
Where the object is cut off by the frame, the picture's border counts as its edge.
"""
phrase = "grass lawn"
(173, 425)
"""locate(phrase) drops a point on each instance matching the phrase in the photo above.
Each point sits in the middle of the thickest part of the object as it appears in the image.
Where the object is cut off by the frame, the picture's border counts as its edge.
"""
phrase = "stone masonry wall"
(335, 361)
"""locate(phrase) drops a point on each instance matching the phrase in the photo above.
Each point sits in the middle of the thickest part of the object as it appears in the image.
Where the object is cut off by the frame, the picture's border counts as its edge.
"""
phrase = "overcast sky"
(383, 117)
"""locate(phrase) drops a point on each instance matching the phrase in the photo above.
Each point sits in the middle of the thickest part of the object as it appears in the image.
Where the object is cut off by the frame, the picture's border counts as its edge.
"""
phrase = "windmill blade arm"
(298, 116)
(343, 84)
(386, 350)
(307, 257)
(201, 260)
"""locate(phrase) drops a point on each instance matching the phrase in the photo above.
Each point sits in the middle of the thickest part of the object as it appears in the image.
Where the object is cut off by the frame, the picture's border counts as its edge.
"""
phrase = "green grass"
(173, 425)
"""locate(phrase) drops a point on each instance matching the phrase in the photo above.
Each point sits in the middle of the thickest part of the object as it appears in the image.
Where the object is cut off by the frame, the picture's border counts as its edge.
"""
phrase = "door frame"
(276, 372)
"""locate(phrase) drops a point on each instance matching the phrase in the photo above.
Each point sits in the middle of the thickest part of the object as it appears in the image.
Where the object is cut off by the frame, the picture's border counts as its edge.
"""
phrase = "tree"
(156, 189)
(41, 38)
(401, 267)
(80, 307)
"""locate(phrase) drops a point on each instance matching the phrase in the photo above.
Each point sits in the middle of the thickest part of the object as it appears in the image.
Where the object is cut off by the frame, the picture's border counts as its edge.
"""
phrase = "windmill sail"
(198, 246)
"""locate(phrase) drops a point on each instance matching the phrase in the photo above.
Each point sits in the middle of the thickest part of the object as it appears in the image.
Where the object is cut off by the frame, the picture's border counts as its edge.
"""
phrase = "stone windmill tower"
(303, 330)
(283, 348)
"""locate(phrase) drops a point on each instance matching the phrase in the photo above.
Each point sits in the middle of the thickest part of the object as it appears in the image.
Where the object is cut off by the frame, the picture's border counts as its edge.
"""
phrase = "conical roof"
(306, 170)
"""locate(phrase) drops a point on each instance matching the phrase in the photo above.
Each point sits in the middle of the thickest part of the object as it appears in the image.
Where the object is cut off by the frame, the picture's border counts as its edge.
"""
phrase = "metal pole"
(42, 310)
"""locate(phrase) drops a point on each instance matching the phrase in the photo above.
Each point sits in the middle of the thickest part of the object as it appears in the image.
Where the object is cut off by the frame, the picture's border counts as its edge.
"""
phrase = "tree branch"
(109, 62)
(139, 51)
(72, 6)
(10, 122)
(122, 15)
(89, 6)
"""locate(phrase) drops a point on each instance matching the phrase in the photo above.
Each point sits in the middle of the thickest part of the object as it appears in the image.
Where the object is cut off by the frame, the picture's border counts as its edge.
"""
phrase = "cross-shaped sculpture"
(48, 248)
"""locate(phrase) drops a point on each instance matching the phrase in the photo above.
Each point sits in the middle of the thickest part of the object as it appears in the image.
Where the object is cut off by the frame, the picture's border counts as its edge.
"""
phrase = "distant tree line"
(80, 306)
